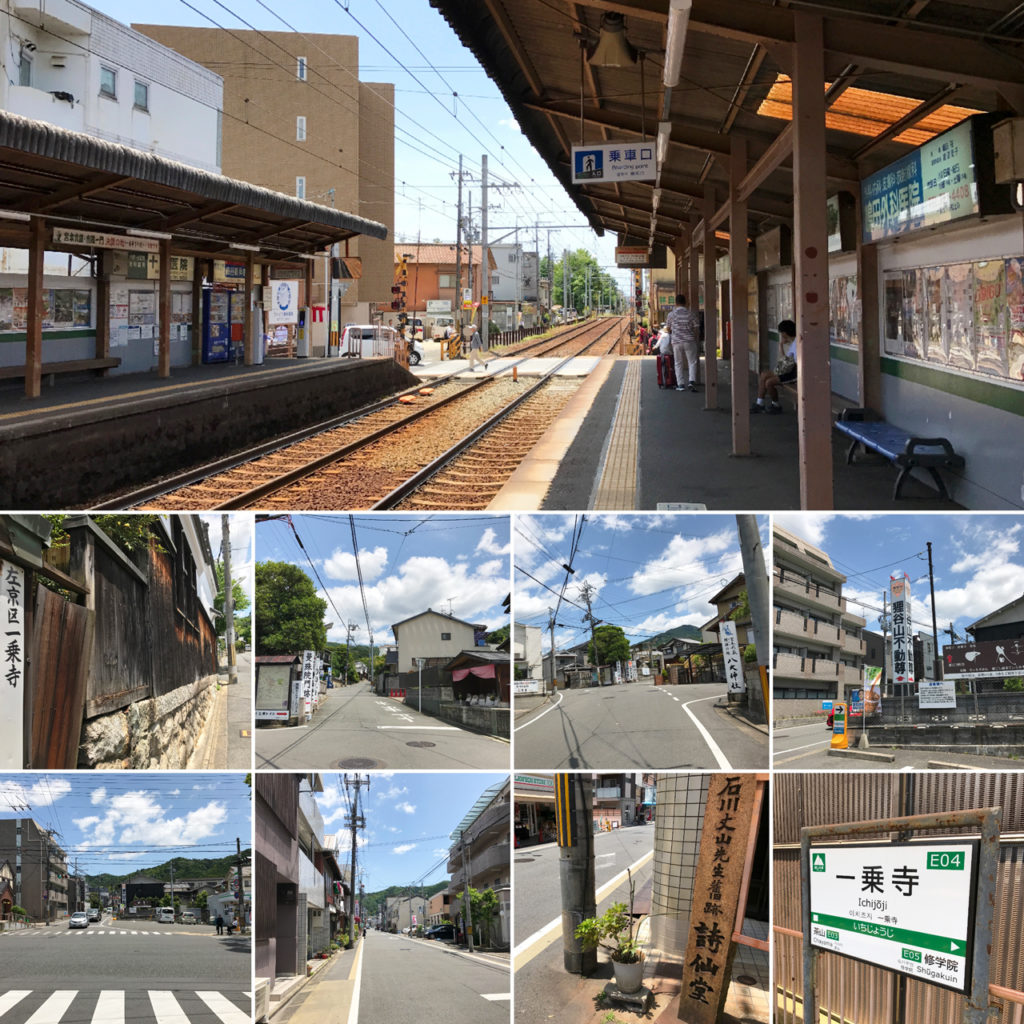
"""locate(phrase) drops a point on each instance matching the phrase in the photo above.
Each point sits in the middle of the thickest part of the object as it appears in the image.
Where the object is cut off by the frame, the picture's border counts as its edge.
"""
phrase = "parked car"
(189, 917)
(79, 919)
(441, 931)
(165, 915)
(364, 341)
(93, 913)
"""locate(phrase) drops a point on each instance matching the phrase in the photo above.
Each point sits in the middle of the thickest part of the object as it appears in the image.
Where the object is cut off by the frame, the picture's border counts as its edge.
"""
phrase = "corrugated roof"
(131, 188)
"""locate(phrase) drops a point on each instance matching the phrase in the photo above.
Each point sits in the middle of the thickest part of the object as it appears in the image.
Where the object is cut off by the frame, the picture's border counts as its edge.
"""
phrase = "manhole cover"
(356, 762)
(746, 979)
(421, 743)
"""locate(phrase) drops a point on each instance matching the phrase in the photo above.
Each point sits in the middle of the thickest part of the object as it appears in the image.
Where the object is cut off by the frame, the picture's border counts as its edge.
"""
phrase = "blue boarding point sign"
(826, 705)
(589, 163)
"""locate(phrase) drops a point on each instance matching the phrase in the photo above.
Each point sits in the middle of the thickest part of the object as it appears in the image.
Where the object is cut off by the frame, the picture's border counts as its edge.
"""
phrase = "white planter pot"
(628, 977)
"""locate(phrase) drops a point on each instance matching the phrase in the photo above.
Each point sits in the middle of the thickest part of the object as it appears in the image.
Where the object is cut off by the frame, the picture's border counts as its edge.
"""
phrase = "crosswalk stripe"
(224, 1009)
(54, 1008)
(109, 1008)
(12, 998)
(166, 1008)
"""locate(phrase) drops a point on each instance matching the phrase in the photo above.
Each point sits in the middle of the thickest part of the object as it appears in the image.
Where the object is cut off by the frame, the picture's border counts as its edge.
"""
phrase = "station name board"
(906, 907)
(102, 240)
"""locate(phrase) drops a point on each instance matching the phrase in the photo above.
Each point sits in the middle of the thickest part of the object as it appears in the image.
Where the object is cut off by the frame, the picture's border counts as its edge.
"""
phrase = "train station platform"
(83, 439)
(624, 443)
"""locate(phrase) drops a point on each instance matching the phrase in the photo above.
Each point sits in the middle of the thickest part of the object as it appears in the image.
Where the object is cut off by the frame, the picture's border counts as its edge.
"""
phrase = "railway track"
(363, 459)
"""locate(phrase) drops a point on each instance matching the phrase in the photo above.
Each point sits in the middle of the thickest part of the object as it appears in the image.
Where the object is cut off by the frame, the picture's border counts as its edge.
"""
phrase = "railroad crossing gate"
(908, 907)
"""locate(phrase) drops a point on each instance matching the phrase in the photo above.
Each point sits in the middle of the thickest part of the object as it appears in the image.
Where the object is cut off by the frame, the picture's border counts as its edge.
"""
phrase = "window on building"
(25, 68)
(108, 82)
(300, 187)
(300, 68)
(445, 280)
(141, 96)
(300, 129)
(446, 636)
(511, 257)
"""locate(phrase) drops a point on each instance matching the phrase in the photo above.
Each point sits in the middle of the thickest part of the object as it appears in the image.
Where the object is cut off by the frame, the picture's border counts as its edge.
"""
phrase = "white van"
(165, 915)
(367, 341)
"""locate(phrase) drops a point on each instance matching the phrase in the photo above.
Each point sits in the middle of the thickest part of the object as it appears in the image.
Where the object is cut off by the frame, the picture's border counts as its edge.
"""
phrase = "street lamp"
(419, 665)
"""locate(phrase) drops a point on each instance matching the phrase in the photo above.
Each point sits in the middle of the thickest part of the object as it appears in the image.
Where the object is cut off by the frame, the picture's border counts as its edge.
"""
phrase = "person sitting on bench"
(784, 372)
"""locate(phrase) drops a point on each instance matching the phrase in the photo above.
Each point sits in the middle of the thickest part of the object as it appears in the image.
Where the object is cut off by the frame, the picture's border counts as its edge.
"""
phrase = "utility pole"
(574, 817)
(229, 599)
(760, 605)
(172, 887)
(485, 267)
(935, 626)
(586, 592)
(458, 255)
(551, 628)
(355, 821)
(350, 628)
(239, 902)
(466, 908)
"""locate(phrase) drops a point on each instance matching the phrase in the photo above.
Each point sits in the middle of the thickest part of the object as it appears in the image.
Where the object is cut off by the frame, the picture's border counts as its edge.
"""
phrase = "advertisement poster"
(990, 317)
(936, 349)
(913, 313)
(893, 298)
(83, 308)
(1015, 305)
(284, 307)
(960, 315)
(872, 689)
(6, 309)
(19, 308)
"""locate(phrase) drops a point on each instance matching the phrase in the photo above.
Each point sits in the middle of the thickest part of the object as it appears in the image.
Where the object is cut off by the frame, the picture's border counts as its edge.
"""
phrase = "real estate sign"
(907, 907)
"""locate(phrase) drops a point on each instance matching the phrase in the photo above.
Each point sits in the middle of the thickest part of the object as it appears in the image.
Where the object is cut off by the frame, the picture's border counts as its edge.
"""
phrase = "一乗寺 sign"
(906, 907)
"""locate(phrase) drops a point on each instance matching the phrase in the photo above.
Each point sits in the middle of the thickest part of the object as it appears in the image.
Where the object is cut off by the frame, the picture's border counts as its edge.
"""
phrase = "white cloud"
(404, 848)
(342, 564)
(136, 817)
(406, 807)
(16, 797)
(489, 545)
(98, 795)
(392, 791)
(688, 563)
(511, 123)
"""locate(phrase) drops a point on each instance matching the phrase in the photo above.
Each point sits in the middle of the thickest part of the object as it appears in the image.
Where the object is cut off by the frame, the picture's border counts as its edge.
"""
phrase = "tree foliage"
(602, 285)
(612, 645)
(289, 615)
(483, 905)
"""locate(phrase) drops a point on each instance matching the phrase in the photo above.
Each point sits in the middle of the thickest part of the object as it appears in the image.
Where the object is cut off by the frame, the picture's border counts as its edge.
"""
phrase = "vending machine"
(223, 325)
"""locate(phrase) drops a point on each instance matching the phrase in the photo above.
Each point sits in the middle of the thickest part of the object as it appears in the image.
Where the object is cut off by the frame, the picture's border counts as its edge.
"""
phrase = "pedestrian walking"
(220, 924)
(476, 348)
(684, 328)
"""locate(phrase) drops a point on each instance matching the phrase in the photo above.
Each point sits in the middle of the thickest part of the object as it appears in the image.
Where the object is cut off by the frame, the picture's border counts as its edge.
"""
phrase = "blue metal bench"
(900, 447)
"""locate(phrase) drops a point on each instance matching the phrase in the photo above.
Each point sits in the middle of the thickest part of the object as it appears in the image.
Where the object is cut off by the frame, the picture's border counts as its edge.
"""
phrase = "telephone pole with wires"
(229, 599)
(355, 821)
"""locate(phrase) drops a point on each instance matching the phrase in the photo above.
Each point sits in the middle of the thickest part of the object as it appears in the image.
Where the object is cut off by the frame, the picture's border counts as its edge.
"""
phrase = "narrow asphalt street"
(637, 725)
(121, 971)
(353, 723)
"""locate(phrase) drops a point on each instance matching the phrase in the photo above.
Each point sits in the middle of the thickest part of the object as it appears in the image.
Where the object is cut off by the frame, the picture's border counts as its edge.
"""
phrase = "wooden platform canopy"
(759, 110)
(54, 178)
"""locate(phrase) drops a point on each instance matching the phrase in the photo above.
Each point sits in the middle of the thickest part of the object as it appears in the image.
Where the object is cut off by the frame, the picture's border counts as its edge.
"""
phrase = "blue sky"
(242, 558)
(128, 821)
(433, 126)
(457, 564)
(409, 818)
(650, 572)
(978, 561)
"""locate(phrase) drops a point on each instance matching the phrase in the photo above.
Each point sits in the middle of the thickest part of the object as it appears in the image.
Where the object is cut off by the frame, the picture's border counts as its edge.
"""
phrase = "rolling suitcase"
(666, 371)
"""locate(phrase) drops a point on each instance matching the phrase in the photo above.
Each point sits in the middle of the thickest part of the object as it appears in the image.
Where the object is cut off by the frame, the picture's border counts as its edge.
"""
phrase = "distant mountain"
(372, 900)
(675, 633)
(184, 867)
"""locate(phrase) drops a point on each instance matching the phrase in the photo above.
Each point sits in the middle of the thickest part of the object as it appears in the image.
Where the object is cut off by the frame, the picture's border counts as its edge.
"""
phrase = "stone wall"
(161, 732)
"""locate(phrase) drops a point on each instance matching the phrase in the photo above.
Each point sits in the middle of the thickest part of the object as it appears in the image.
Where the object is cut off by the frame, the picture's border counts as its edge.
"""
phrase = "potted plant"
(614, 931)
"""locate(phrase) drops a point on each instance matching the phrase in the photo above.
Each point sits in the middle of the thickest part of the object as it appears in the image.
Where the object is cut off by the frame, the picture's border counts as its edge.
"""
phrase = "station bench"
(900, 447)
(67, 366)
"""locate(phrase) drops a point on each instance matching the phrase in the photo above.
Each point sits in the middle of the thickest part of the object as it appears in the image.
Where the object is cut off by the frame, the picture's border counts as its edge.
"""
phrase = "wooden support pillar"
(249, 342)
(38, 234)
(692, 287)
(164, 310)
(102, 306)
(810, 292)
(264, 318)
(198, 267)
(739, 366)
(869, 352)
(710, 303)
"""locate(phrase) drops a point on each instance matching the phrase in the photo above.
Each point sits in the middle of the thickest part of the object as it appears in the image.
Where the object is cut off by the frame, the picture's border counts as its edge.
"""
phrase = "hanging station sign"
(631, 256)
(12, 687)
(906, 907)
(614, 161)
(103, 240)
